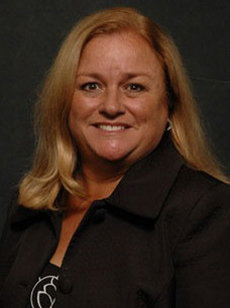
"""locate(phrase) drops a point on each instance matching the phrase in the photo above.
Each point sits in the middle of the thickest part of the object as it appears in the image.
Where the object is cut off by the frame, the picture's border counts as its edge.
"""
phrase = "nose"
(112, 104)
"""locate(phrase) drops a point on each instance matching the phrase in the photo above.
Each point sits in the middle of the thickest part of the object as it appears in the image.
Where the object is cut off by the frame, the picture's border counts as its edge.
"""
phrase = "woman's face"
(119, 108)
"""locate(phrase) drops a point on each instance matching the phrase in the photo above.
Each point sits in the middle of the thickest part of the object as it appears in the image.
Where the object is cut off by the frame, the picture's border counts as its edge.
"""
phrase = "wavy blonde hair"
(56, 158)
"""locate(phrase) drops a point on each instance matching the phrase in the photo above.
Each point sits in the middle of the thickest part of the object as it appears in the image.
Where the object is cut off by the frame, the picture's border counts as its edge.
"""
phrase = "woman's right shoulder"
(13, 204)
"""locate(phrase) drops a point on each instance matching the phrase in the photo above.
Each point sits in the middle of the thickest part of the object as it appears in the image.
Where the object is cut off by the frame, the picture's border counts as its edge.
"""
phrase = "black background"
(32, 31)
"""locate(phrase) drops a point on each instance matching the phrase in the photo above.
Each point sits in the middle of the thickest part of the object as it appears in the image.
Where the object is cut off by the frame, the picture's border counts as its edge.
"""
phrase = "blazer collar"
(142, 191)
(146, 185)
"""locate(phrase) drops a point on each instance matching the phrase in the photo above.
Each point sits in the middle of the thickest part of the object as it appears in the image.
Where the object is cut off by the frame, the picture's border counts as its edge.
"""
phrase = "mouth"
(112, 127)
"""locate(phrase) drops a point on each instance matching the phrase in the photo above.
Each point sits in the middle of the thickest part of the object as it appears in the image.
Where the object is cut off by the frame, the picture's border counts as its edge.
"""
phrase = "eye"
(90, 86)
(135, 87)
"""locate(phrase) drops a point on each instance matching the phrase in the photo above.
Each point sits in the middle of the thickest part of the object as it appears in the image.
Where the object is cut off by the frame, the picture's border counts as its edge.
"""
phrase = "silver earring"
(169, 125)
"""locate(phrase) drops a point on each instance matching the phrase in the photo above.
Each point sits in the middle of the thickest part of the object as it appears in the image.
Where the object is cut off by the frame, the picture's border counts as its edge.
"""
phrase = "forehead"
(121, 51)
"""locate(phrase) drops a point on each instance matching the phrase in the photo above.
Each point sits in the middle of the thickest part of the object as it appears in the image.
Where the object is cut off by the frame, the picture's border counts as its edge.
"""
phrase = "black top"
(43, 293)
(160, 240)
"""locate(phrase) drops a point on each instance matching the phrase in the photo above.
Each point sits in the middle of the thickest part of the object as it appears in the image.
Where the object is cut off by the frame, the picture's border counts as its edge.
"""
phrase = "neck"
(100, 180)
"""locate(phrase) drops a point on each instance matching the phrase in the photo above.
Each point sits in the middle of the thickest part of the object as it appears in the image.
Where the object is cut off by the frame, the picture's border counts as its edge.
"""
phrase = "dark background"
(31, 32)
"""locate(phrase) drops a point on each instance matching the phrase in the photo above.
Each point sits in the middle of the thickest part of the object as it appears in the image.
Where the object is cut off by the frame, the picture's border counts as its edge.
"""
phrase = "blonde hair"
(56, 157)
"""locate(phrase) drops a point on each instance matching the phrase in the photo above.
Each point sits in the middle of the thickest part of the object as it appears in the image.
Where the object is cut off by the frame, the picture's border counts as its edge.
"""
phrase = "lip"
(111, 127)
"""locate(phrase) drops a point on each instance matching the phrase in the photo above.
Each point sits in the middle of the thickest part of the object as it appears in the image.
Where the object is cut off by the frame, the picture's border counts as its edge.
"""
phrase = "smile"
(111, 128)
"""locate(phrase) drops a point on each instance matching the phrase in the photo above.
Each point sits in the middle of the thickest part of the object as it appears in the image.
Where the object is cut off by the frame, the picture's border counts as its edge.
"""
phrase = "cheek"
(78, 110)
(83, 107)
(76, 116)
(73, 119)
(151, 113)
(161, 111)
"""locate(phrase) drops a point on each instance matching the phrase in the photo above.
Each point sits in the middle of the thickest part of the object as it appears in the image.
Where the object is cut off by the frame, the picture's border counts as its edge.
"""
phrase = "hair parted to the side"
(56, 157)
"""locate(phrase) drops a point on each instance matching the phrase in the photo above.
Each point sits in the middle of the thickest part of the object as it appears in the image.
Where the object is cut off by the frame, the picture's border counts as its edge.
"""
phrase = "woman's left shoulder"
(196, 199)
(201, 251)
(199, 185)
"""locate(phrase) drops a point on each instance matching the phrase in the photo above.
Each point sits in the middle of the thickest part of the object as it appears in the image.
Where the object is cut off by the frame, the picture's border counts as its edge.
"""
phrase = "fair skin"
(118, 115)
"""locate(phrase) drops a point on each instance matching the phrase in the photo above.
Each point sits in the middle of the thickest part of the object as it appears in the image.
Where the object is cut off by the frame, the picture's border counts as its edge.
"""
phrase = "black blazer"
(162, 239)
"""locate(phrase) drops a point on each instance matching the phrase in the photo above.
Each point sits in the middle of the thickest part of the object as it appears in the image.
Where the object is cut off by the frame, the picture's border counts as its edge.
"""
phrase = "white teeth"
(111, 128)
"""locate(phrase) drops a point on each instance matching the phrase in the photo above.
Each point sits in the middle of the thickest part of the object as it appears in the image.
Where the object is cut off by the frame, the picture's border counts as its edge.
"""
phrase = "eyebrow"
(125, 75)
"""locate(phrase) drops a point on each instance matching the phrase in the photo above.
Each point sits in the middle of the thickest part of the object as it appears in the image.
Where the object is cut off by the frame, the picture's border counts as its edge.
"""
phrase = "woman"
(124, 205)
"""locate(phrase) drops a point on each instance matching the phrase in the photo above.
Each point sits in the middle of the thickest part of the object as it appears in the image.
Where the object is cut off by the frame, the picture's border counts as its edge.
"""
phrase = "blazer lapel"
(146, 185)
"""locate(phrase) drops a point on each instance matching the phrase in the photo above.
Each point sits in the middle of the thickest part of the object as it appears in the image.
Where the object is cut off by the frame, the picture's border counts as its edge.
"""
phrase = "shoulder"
(211, 199)
(198, 225)
(196, 185)
(195, 199)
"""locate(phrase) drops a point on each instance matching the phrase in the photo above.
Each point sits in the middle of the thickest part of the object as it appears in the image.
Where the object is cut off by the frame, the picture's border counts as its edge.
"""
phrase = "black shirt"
(160, 240)
(43, 294)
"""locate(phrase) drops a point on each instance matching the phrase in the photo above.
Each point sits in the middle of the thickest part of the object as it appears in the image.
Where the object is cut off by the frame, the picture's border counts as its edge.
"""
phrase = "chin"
(113, 154)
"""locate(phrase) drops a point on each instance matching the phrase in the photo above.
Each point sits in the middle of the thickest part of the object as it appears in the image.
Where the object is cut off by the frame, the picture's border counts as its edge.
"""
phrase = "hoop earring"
(169, 125)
